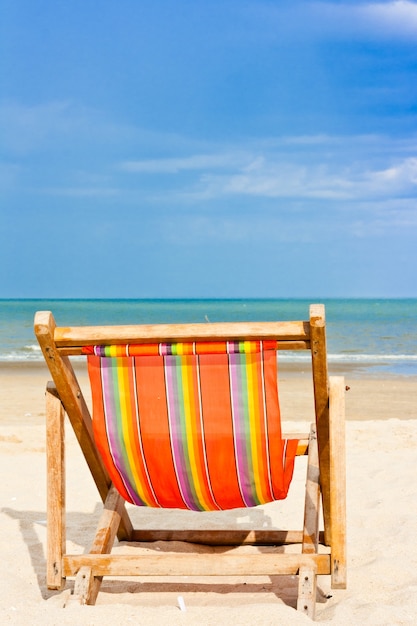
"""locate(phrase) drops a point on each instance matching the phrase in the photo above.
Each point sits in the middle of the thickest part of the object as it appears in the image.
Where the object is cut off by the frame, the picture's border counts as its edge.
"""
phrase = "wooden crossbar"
(179, 564)
(76, 336)
(261, 537)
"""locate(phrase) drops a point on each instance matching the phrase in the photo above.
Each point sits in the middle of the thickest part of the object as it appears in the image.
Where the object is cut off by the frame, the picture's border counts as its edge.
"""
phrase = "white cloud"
(82, 192)
(268, 178)
(57, 125)
(332, 168)
(396, 180)
(24, 128)
(309, 140)
(234, 228)
(309, 167)
(397, 18)
(175, 165)
(362, 219)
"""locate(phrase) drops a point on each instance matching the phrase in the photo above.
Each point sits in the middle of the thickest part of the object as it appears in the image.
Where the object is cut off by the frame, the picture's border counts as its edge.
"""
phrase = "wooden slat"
(338, 481)
(307, 576)
(109, 523)
(321, 400)
(307, 589)
(55, 455)
(180, 564)
(221, 537)
(87, 585)
(312, 498)
(87, 335)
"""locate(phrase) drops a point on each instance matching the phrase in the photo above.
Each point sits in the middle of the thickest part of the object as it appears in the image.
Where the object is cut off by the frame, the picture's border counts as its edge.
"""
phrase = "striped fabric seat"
(191, 425)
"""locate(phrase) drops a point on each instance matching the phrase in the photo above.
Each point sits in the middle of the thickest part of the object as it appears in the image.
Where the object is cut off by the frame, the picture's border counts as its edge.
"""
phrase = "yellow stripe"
(250, 376)
(125, 413)
(187, 389)
(263, 439)
(262, 451)
(117, 351)
(254, 419)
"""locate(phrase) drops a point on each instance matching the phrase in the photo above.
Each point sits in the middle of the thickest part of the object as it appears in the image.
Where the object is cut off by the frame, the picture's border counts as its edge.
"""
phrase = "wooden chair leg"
(109, 523)
(307, 590)
(338, 481)
(55, 452)
(312, 497)
(307, 581)
(87, 585)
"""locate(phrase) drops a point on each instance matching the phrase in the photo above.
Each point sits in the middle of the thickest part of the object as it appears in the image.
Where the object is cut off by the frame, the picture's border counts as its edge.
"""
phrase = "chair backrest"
(191, 425)
(250, 486)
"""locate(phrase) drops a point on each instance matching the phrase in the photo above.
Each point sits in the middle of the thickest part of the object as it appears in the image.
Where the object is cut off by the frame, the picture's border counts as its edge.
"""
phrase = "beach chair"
(187, 416)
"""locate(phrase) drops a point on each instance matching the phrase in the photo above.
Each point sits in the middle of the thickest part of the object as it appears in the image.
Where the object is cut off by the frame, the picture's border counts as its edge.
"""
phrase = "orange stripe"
(155, 430)
(275, 444)
(199, 474)
(151, 349)
(214, 377)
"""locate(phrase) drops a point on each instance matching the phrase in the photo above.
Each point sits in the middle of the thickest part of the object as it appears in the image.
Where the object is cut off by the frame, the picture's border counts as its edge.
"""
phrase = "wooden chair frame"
(325, 473)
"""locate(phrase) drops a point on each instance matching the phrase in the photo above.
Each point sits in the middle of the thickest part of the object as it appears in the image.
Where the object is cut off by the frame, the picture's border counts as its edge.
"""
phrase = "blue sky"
(208, 148)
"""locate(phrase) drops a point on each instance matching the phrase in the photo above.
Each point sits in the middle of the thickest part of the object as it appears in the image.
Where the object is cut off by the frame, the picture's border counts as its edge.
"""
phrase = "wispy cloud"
(25, 128)
(235, 228)
(301, 225)
(57, 125)
(321, 20)
(322, 166)
(83, 192)
(397, 18)
(301, 168)
(270, 178)
(401, 177)
(399, 15)
(178, 164)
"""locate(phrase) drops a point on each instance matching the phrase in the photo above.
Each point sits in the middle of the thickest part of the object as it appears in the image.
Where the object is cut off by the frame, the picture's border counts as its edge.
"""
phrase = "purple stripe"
(109, 378)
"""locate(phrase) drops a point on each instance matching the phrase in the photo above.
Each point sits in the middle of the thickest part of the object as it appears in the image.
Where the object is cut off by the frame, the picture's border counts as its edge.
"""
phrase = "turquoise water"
(374, 335)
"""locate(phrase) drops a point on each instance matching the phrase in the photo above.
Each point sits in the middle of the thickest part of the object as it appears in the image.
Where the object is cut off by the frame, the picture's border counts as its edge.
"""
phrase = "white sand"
(382, 513)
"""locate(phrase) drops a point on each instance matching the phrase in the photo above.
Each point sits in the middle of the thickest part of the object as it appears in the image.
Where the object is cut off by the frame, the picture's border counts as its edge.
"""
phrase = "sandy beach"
(382, 509)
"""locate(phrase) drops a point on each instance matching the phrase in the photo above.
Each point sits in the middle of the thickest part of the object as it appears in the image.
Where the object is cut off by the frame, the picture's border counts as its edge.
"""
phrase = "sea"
(374, 336)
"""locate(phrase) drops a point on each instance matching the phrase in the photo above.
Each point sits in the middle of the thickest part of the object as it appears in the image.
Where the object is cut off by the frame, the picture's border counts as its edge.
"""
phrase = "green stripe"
(116, 365)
